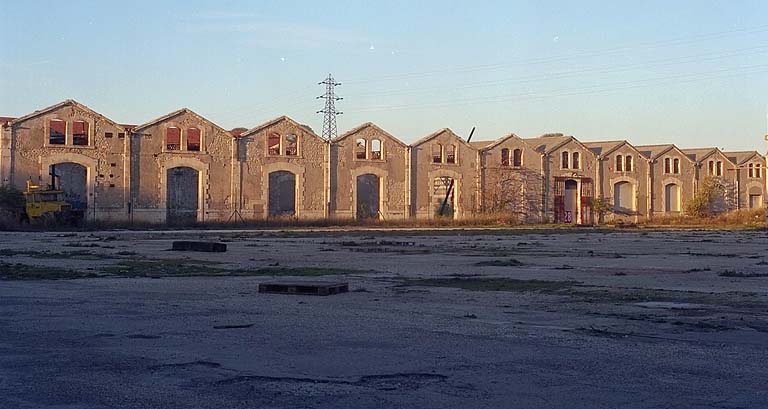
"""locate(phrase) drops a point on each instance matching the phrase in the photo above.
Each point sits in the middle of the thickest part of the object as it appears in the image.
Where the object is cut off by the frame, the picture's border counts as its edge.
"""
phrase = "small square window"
(113, 164)
(121, 135)
(111, 185)
(108, 134)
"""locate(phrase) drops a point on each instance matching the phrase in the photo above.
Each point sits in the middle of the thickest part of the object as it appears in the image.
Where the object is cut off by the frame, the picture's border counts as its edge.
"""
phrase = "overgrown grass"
(740, 219)
(17, 271)
(494, 284)
(74, 254)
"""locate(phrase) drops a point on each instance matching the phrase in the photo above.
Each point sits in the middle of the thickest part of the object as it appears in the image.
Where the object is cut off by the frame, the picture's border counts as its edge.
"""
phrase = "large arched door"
(444, 197)
(72, 178)
(182, 195)
(672, 197)
(282, 194)
(571, 201)
(623, 198)
(368, 196)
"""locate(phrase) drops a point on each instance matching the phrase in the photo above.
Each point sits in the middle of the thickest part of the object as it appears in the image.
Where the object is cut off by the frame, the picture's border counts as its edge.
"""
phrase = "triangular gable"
(568, 140)
(438, 133)
(361, 127)
(663, 150)
(505, 138)
(260, 127)
(700, 154)
(614, 146)
(68, 102)
(174, 114)
(742, 157)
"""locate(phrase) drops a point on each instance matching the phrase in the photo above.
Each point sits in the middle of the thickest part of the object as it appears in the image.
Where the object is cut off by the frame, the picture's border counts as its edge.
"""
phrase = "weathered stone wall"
(310, 166)
(686, 179)
(424, 172)
(390, 169)
(104, 158)
(638, 178)
(214, 164)
(553, 169)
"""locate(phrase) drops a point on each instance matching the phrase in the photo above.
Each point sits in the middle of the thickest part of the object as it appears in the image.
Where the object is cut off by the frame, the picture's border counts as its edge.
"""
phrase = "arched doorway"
(672, 197)
(72, 178)
(182, 195)
(282, 194)
(571, 201)
(443, 202)
(368, 198)
(623, 198)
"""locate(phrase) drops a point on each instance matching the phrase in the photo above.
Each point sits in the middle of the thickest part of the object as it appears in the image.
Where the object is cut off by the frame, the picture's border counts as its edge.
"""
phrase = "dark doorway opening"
(368, 196)
(282, 194)
(182, 195)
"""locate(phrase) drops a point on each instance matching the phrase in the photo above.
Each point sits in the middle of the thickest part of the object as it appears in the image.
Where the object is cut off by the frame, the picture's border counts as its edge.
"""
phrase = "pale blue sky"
(694, 73)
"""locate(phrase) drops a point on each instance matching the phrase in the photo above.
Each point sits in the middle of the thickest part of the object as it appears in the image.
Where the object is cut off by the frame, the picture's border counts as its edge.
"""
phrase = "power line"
(329, 111)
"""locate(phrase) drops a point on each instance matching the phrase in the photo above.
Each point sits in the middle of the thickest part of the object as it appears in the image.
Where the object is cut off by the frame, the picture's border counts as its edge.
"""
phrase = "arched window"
(712, 167)
(172, 138)
(751, 170)
(619, 163)
(517, 158)
(193, 139)
(623, 197)
(564, 160)
(273, 143)
(628, 163)
(376, 149)
(291, 145)
(57, 131)
(80, 133)
(437, 153)
(719, 169)
(676, 166)
(576, 162)
(505, 157)
(361, 148)
(450, 154)
(758, 171)
(667, 165)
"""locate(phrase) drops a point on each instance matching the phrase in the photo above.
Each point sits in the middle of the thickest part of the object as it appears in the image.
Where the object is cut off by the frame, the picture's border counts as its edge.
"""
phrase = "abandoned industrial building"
(182, 167)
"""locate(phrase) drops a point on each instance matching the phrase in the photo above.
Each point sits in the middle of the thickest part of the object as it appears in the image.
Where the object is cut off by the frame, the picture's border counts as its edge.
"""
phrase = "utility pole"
(329, 119)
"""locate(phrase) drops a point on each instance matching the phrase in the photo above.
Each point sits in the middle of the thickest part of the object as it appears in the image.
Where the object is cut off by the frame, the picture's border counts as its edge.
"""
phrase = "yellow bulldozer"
(47, 205)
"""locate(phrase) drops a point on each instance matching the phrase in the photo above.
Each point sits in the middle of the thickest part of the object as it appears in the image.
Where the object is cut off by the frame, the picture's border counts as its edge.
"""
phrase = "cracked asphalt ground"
(585, 319)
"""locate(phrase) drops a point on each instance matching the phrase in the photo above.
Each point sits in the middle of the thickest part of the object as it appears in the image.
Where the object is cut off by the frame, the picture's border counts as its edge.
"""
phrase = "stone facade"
(183, 168)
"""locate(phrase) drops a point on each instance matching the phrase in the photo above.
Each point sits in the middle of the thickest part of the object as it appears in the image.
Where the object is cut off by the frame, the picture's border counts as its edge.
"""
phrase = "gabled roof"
(364, 126)
(68, 102)
(4, 120)
(440, 132)
(655, 151)
(505, 138)
(741, 157)
(175, 114)
(605, 148)
(480, 145)
(271, 122)
(548, 143)
(699, 154)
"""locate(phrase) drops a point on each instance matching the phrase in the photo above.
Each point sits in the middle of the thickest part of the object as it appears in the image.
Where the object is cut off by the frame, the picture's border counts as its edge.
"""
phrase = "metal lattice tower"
(329, 118)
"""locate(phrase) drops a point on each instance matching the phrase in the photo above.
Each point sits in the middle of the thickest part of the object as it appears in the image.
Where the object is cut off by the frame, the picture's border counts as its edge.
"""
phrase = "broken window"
(172, 138)
(505, 157)
(628, 163)
(291, 144)
(564, 160)
(193, 139)
(517, 158)
(719, 169)
(619, 163)
(450, 154)
(80, 133)
(437, 153)
(57, 130)
(676, 166)
(273, 143)
(575, 162)
(376, 149)
(361, 148)
(667, 165)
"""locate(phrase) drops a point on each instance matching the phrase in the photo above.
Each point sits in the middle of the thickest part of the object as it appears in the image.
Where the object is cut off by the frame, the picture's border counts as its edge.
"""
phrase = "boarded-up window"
(361, 149)
(437, 153)
(672, 198)
(193, 139)
(80, 133)
(505, 157)
(273, 143)
(450, 154)
(619, 163)
(628, 163)
(576, 163)
(376, 149)
(57, 130)
(291, 144)
(623, 197)
(517, 158)
(172, 138)
(676, 166)
(565, 160)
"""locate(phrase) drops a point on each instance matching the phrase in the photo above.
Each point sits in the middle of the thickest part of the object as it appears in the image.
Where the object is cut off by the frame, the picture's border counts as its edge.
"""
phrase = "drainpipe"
(409, 182)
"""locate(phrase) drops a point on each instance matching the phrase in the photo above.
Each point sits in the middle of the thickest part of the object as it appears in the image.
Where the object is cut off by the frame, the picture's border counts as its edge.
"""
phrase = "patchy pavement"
(451, 319)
